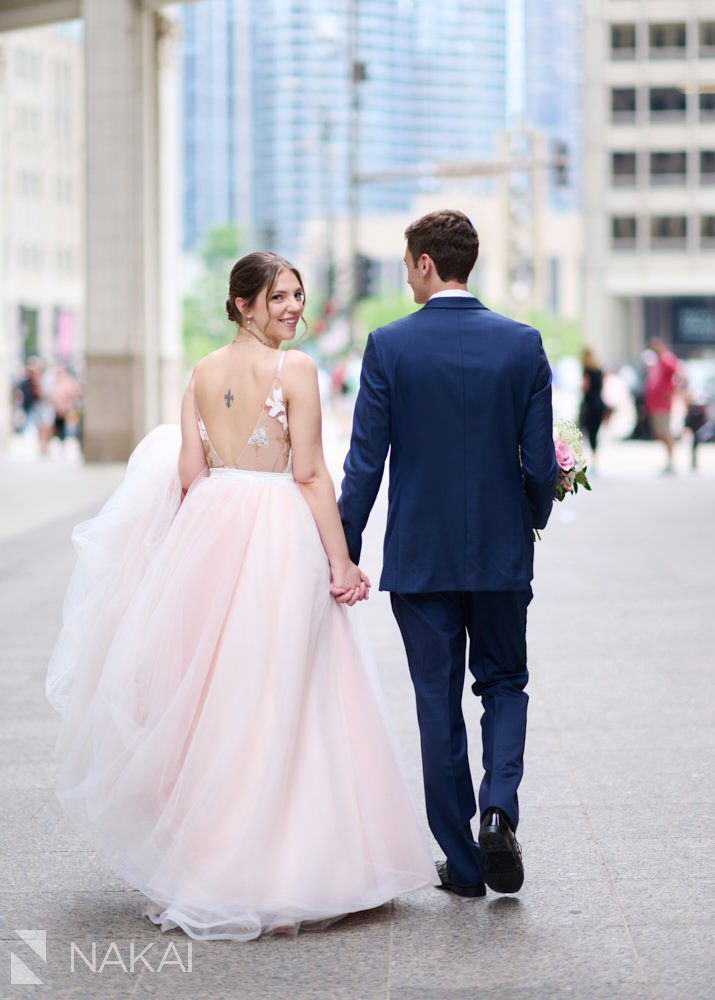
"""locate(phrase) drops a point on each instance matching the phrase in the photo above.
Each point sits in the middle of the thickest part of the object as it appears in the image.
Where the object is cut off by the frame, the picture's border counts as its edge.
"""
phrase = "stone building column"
(127, 341)
(169, 347)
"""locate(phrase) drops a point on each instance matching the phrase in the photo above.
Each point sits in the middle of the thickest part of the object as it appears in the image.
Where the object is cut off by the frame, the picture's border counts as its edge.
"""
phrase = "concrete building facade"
(133, 362)
(556, 285)
(649, 175)
(42, 200)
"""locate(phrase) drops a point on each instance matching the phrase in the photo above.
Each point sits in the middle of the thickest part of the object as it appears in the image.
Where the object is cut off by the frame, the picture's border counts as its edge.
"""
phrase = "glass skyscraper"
(214, 172)
(435, 90)
(552, 82)
(458, 78)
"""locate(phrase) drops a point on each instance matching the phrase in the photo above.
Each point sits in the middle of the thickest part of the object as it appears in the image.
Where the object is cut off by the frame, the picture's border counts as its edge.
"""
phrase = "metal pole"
(326, 160)
(355, 70)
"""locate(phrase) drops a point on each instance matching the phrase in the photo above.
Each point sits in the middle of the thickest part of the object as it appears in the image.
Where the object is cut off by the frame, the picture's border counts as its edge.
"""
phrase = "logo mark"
(21, 974)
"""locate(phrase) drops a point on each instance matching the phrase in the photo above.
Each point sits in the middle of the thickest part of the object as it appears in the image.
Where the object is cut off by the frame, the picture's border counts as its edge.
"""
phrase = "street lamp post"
(357, 75)
(326, 162)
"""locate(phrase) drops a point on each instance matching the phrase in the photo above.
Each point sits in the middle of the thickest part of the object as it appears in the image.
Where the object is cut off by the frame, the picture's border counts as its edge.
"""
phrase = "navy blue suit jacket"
(461, 397)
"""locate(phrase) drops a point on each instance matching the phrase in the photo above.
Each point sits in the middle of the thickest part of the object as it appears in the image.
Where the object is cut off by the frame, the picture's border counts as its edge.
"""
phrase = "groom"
(461, 397)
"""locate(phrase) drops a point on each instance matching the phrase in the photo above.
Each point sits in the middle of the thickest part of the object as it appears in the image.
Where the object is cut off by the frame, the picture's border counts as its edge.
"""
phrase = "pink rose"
(564, 455)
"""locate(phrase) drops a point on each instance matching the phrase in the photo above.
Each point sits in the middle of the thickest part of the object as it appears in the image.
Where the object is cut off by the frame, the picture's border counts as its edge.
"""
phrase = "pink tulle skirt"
(222, 733)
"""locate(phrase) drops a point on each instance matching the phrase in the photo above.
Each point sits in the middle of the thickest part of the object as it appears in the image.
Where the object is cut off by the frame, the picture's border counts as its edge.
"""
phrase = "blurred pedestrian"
(29, 392)
(35, 390)
(695, 419)
(593, 410)
(45, 409)
(65, 400)
(660, 384)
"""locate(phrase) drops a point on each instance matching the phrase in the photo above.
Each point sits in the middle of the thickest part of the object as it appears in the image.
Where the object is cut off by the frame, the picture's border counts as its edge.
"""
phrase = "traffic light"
(560, 163)
(365, 276)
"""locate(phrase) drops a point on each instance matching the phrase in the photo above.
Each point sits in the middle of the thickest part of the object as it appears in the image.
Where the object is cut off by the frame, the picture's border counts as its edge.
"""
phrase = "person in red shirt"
(660, 385)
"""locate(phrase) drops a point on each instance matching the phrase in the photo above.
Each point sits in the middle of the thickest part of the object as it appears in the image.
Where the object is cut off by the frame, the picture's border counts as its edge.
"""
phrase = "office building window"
(623, 169)
(707, 232)
(623, 41)
(707, 104)
(707, 38)
(623, 104)
(667, 103)
(623, 232)
(668, 168)
(667, 41)
(668, 232)
(707, 166)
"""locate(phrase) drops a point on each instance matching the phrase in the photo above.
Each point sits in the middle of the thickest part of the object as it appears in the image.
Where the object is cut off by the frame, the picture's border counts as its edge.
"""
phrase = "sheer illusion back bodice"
(241, 413)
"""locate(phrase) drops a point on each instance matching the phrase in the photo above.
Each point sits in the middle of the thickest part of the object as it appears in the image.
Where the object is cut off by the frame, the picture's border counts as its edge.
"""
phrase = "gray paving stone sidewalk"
(617, 806)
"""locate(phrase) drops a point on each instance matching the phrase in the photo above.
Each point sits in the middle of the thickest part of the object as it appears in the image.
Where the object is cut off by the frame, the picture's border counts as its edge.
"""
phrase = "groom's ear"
(425, 264)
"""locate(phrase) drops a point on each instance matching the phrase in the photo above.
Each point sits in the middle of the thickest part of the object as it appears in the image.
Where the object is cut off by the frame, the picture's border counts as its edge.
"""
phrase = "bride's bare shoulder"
(299, 365)
(300, 379)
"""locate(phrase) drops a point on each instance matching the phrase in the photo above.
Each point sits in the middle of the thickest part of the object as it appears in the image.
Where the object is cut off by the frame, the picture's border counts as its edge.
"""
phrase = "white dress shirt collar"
(451, 291)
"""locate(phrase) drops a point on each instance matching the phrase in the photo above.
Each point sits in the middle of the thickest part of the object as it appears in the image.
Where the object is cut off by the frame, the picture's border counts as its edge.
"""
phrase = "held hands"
(348, 584)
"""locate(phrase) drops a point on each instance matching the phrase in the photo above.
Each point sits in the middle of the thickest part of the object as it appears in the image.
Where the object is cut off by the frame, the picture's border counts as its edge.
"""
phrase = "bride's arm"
(192, 460)
(311, 473)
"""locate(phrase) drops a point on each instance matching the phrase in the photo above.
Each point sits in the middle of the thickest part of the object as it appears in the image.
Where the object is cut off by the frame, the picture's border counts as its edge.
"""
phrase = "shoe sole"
(459, 890)
(503, 872)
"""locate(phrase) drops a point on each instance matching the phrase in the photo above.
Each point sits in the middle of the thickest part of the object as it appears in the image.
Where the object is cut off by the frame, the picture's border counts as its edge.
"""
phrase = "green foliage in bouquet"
(580, 479)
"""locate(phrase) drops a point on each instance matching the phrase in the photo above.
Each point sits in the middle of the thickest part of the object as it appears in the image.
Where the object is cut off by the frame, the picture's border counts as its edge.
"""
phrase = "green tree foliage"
(375, 312)
(205, 326)
(561, 337)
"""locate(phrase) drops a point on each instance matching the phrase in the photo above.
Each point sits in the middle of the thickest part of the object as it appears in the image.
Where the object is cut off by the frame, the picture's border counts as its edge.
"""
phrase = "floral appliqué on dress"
(276, 406)
(259, 438)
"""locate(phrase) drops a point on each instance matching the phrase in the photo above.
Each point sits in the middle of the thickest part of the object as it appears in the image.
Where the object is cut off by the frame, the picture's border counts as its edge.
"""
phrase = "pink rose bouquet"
(568, 442)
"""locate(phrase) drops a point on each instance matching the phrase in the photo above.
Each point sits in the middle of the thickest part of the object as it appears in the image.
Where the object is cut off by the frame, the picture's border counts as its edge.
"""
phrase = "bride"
(222, 736)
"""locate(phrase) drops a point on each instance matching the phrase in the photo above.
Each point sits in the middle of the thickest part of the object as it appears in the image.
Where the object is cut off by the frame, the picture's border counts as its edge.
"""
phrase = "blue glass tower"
(460, 78)
(211, 173)
(552, 82)
(435, 89)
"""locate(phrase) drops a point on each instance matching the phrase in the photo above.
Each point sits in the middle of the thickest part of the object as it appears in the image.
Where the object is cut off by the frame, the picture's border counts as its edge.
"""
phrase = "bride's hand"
(348, 584)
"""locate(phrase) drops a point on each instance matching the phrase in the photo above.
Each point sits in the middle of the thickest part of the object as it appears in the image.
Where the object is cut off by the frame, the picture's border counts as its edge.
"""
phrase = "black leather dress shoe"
(460, 890)
(503, 868)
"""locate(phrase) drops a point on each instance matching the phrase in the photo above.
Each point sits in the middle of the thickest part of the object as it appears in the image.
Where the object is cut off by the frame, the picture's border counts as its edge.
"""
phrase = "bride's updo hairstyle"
(253, 273)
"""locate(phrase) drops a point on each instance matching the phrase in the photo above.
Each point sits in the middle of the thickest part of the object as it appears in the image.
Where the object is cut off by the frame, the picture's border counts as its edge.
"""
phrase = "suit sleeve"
(538, 456)
(370, 441)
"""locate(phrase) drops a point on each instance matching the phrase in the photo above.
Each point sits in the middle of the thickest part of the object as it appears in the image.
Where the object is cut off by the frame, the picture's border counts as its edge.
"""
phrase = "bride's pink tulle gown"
(222, 732)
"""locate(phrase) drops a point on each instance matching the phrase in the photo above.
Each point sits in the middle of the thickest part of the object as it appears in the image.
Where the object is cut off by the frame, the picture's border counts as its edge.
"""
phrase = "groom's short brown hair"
(450, 239)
